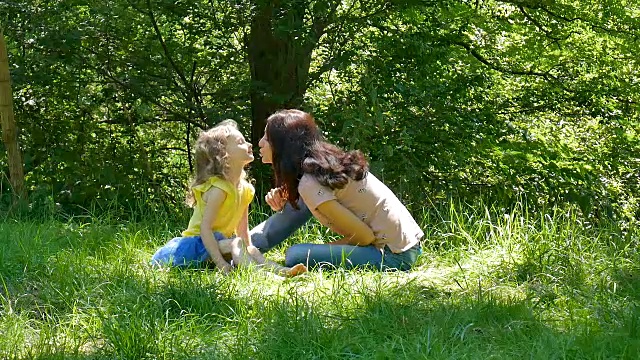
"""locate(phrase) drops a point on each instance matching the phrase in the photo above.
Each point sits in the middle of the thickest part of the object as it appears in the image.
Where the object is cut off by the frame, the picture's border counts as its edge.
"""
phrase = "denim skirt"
(183, 251)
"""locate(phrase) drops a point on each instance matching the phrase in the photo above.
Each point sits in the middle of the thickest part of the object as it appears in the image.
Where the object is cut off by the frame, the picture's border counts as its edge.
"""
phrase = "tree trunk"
(9, 131)
(279, 61)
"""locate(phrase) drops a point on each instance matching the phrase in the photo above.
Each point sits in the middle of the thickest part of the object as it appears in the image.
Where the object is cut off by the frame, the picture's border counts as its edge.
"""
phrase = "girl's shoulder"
(216, 182)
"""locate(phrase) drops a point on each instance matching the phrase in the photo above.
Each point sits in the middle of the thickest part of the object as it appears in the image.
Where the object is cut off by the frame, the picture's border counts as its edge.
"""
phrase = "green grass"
(491, 284)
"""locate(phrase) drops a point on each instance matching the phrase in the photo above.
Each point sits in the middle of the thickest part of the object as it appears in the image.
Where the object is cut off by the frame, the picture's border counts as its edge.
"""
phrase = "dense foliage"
(511, 99)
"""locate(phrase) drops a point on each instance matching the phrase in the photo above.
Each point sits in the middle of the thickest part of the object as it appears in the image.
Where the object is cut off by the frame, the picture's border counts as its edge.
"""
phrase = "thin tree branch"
(473, 52)
(181, 119)
(538, 5)
(191, 97)
(165, 48)
(548, 33)
(171, 148)
(319, 26)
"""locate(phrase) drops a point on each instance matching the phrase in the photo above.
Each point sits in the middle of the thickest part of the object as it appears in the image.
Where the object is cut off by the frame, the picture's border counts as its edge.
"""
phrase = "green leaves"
(455, 97)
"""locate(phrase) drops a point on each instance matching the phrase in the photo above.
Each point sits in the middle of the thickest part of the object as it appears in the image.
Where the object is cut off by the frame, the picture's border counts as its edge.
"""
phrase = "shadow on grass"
(31, 245)
(44, 267)
(412, 321)
(168, 319)
(191, 314)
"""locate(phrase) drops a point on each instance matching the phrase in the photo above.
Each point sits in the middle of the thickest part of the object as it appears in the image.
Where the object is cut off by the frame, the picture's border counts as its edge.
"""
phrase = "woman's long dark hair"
(298, 147)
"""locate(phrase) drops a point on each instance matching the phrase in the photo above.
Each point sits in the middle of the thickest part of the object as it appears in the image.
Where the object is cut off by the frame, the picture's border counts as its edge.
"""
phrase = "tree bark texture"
(9, 129)
(279, 61)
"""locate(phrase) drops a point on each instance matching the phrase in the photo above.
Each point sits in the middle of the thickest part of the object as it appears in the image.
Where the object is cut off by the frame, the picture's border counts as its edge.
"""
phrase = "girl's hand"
(275, 200)
(225, 267)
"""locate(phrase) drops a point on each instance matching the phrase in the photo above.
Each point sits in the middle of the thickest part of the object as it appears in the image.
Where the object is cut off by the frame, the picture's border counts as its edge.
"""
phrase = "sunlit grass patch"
(490, 284)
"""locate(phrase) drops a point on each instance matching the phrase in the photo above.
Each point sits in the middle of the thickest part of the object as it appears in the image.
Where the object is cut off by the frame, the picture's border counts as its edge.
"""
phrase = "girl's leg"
(257, 256)
(185, 251)
(243, 256)
(279, 226)
(181, 251)
(225, 246)
(239, 253)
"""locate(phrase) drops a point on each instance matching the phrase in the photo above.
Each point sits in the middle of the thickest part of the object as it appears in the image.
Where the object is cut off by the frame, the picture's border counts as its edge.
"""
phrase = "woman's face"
(265, 149)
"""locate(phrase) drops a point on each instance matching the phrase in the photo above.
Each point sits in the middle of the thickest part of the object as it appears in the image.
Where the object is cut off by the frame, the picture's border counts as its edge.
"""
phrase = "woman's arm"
(213, 199)
(347, 224)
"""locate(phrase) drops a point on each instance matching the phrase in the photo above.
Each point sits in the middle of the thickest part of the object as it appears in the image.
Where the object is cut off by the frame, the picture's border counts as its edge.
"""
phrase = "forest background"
(515, 100)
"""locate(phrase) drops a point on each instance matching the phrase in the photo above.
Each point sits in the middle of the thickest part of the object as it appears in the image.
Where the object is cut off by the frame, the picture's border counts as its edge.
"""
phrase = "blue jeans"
(349, 256)
(183, 251)
(279, 226)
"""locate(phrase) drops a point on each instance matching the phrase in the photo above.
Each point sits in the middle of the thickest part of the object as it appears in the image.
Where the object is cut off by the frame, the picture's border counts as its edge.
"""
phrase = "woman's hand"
(275, 200)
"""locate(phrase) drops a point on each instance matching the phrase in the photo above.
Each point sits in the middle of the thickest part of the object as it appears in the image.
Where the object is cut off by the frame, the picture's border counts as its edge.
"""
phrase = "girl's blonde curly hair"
(210, 155)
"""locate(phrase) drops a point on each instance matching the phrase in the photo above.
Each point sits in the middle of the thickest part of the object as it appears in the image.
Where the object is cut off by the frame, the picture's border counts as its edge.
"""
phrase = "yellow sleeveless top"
(229, 215)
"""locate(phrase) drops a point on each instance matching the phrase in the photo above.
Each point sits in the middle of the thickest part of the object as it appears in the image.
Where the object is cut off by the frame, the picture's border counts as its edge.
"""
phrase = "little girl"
(220, 196)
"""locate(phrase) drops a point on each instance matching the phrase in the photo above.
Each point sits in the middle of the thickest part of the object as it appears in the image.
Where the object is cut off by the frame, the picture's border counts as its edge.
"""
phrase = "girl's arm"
(213, 199)
(243, 228)
(354, 230)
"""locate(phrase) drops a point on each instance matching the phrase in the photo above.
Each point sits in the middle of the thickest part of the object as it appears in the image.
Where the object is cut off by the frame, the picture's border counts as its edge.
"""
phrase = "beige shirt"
(371, 201)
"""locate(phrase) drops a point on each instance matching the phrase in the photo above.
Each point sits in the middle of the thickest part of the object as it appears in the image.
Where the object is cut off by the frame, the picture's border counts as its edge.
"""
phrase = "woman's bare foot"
(296, 270)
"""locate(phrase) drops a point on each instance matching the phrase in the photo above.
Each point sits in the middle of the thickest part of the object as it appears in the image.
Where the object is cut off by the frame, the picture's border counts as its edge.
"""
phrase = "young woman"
(377, 229)
(220, 196)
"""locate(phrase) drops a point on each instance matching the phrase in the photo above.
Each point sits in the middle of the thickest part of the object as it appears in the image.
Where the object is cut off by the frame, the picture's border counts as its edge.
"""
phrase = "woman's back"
(373, 203)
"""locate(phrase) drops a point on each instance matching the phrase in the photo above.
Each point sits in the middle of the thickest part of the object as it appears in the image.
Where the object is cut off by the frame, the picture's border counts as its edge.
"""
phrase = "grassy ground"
(490, 285)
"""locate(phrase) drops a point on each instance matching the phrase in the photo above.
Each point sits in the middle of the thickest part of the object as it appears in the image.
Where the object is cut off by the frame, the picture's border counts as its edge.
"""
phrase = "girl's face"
(265, 149)
(238, 149)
